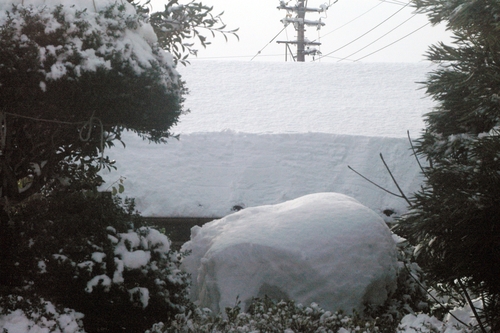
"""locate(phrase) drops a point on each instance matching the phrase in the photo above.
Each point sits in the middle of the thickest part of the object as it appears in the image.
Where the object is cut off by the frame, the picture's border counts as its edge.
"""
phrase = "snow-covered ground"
(264, 133)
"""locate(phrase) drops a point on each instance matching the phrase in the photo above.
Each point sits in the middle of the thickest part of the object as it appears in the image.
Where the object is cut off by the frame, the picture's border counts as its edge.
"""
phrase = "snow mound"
(325, 248)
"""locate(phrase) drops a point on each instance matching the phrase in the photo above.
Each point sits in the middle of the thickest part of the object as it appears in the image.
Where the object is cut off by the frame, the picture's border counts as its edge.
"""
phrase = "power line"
(258, 53)
(376, 40)
(339, 58)
(366, 32)
(236, 56)
(411, 33)
(354, 19)
(394, 2)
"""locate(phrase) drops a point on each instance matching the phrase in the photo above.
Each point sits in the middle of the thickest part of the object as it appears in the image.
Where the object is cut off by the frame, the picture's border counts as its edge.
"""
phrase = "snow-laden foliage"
(410, 296)
(37, 316)
(91, 255)
(289, 317)
(268, 316)
(454, 218)
(72, 79)
(404, 312)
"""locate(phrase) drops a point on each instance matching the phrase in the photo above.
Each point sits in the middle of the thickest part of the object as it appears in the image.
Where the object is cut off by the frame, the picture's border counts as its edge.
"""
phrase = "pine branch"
(473, 308)
(432, 296)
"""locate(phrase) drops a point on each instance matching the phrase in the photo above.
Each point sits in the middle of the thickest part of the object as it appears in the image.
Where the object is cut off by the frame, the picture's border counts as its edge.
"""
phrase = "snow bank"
(325, 248)
(207, 174)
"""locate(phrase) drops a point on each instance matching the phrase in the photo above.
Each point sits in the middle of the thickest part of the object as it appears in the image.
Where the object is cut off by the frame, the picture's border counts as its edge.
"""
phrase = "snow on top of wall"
(372, 99)
(211, 173)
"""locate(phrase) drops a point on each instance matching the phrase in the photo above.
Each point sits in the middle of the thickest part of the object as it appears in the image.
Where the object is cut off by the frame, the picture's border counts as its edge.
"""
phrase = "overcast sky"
(353, 30)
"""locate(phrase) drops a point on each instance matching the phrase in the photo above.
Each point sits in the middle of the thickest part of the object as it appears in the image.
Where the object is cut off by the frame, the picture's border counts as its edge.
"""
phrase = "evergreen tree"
(455, 218)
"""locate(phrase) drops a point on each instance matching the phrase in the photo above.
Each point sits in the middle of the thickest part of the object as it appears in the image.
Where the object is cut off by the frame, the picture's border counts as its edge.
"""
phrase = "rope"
(90, 124)
(3, 134)
(44, 120)
(84, 138)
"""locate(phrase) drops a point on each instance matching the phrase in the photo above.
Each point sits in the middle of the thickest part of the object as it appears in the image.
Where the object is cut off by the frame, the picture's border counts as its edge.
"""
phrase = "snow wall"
(208, 174)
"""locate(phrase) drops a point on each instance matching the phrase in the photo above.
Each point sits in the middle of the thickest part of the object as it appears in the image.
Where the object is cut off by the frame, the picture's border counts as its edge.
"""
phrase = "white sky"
(345, 21)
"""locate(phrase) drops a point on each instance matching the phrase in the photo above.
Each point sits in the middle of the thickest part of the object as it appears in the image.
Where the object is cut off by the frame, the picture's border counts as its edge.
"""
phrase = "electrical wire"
(272, 40)
(236, 56)
(338, 58)
(376, 40)
(394, 2)
(375, 27)
(411, 33)
(354, 19)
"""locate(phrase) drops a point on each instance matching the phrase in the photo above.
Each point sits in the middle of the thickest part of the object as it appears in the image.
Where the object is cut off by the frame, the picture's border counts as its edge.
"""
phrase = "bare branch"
(395, 181)
(380, 187)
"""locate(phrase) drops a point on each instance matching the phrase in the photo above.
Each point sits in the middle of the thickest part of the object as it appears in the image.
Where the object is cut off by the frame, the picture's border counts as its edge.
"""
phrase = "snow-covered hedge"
(267, 316)
(289, 317)
(322, 247)
(83, 252)
(74, 54)
(39, 317)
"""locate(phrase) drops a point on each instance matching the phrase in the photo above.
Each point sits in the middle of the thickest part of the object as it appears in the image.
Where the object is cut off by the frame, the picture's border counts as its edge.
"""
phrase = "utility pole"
(301, 15)
(300, 22)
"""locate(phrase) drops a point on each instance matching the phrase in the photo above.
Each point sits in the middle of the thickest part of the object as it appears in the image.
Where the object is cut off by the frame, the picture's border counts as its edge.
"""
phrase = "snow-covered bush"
(88, 253)
(34, 316)
(73, 76)
(266, 315)
(410, 296)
